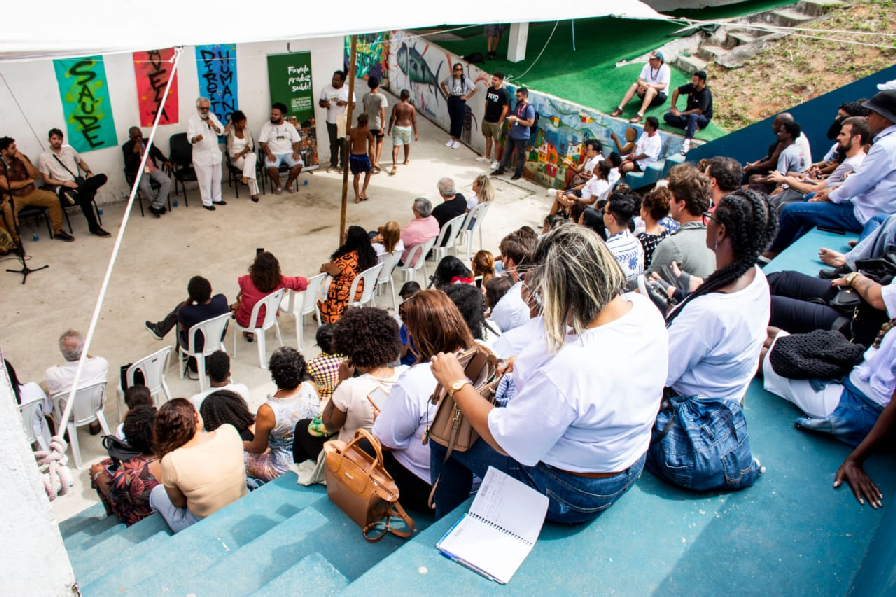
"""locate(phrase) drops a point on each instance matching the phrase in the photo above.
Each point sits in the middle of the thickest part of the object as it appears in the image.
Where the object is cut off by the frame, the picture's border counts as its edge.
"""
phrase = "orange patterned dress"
(337, 295)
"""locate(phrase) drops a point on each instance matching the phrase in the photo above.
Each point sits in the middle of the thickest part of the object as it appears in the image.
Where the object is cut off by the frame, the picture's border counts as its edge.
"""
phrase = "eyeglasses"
(707, 217)
(459, 69)
(204, 108)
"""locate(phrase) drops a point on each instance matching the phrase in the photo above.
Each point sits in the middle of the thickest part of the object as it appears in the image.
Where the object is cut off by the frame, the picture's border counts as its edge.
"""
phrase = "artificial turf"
(587, 75)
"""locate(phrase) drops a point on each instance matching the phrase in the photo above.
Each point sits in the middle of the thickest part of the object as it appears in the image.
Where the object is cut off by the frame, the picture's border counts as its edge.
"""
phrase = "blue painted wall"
(815, 116)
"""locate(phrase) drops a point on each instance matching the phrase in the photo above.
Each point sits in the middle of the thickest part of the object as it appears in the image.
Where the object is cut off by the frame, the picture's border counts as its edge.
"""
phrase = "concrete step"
(105, 551)
(817, 8)
(711, 53)
(111, 576)
(209, 540)
(241, 570)
(787, 17)
(690, 64)
(85, 518)
(86, 536)
(313, 575)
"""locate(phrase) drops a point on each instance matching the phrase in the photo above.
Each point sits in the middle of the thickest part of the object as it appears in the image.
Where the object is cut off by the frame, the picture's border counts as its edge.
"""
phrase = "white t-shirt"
(240, 388)
(404, 419)
(461, 86)
(511, 311)
(279, 137)
(381, 249)
(595, 187)
(662, 75)
(614, 177)
(651, 147)
(331, 94)
(350, 397)
(591, 407)
(60, 377)
(49, 165)
(516, 340)
(32, 392)
(803, 142)
(849, 165)
(714, 343)
(591, 164)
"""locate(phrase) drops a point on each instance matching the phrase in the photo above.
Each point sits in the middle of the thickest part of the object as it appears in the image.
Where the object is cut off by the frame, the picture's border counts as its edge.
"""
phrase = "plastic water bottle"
(305, 182)
(174, 204)
(35, 237)
(99, 210)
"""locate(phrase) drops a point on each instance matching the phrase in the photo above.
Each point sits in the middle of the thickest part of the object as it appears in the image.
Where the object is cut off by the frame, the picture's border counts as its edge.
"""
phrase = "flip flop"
(616, 112)
(635, 119)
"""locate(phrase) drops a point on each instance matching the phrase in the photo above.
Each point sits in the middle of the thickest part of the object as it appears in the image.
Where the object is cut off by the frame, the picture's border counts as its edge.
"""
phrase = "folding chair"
(369, 277)
(270, 303)
(212, 332)
(417, 256)
(87, 409)
(475, 217)
(153, 367)
(448, 237)
(300, 304)
(389, 262)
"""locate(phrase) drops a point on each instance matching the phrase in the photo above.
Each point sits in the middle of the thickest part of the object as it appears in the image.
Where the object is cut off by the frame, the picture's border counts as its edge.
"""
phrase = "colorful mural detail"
(84, 92)
(152, 70)
(371, 56)
(563, 127)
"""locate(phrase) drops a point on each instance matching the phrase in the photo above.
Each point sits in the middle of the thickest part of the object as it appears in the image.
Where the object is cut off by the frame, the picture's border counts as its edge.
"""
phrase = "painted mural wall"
(371, 56)
(563, 127)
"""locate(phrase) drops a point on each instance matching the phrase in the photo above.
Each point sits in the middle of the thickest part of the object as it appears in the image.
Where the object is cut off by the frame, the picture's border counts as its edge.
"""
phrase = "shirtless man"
(404, 120)
(361, 147)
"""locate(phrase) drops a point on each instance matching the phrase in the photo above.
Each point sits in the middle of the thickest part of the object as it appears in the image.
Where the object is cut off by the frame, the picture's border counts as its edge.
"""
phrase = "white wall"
(34, 86)
(33, 559)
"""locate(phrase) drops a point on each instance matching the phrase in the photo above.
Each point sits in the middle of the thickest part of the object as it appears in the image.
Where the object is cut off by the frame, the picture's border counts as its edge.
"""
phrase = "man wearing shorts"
(280, 142)
(401, 123)
(375, 105)
(361, 144)
(651, 87)
(497, 105)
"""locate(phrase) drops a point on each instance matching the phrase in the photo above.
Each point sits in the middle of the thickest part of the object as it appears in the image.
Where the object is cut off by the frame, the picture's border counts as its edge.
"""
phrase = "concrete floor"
(158, 257)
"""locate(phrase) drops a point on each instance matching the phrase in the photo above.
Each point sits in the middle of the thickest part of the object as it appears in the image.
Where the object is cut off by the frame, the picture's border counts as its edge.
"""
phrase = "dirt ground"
(796, 69)
(158, 256)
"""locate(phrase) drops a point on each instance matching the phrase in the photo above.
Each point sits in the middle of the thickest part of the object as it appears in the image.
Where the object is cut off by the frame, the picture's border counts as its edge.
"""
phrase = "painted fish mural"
(412, 64)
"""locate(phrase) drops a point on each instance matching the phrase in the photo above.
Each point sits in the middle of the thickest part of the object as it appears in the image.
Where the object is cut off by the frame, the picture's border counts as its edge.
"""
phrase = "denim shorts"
(851, 421)
(281, 158)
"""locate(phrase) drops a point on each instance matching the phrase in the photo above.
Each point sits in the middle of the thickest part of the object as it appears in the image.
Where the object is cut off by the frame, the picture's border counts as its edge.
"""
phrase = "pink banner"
(153, 68)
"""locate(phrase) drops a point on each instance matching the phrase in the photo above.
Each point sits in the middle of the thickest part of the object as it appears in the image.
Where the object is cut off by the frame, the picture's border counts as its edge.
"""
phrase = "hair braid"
(750, 224)
(223, 407)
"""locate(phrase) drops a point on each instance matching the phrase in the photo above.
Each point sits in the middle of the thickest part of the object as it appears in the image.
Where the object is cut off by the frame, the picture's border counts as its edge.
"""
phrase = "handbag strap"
(66, 167)
(364, 434)
(395, 512)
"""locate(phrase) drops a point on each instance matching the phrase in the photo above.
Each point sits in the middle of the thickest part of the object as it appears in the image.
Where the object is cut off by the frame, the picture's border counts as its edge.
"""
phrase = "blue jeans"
(177, 518)
(851, 421)
(799, 218)
(872, 225)
(878, 238)
(690, 123)
(573, 499)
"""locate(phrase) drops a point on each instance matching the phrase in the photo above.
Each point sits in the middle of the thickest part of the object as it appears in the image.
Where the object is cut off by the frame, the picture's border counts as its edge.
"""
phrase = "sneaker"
(498, 172)
(482, 158)
(686, 146)
(455, 145)
(152, 329)
(330, 169)
(495, 165)
(63, 236)
(450, 143)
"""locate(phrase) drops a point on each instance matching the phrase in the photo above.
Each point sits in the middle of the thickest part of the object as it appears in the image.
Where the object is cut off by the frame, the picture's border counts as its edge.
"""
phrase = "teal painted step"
(85, 518)
(207, 541)
(314, 575)
(791, 533)
(242, 570)
(91, 563)
(84, 537)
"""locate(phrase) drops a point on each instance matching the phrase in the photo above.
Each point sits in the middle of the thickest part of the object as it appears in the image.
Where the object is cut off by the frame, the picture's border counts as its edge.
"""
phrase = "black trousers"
(413, 492)
(512, 146)
(304, 445)
(83, 197)
(791, 310)
(336, 144)
(457, 111)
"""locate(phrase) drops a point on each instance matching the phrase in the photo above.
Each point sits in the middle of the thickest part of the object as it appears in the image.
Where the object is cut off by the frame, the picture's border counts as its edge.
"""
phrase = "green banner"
(289, 76)
(84, 92)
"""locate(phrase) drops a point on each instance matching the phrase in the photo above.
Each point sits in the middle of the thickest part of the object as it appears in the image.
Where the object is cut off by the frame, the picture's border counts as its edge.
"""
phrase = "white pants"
(209, 179)
(247, 163)
(799, 392)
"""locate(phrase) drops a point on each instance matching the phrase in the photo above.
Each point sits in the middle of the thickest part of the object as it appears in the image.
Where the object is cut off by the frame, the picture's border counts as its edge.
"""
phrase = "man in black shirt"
(698, 109)
(454, 204)
(497, 105)
(199, 306)
(133, 152)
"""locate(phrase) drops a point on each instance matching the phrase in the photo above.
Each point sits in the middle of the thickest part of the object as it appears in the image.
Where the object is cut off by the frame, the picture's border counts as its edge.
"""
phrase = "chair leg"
(277, 330)
(166, 390)
(73, 442)
(101, 417)
(394, 296)
(300, 324)
(259, 339)
(200, 367)
(118, 398)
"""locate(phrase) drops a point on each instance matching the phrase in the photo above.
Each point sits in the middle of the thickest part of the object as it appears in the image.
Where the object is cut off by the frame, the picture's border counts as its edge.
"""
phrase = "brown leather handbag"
(359, 484)
(450, 428)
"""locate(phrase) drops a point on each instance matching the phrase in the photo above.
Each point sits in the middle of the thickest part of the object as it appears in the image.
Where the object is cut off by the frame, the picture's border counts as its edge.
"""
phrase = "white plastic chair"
(153, 367)
(301, 303)
(212, 331)
(390, 262)
(369, 277)
(271, 304)
(29, 411)
(87, 409)
(476, 216)
(417, 256)
(448, 237)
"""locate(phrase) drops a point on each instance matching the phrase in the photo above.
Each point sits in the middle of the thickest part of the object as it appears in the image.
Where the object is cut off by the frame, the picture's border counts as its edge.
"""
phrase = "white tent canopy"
(114, 26)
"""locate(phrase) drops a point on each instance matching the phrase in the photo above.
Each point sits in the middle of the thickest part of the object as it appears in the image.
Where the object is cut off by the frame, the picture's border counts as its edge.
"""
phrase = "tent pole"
(345, 145)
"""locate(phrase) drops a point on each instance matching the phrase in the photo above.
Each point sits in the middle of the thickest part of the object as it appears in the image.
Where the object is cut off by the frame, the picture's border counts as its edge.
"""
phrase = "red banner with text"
(153, 68)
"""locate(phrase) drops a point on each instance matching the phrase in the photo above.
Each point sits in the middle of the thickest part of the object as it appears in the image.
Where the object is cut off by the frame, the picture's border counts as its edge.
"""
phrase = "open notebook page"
(511, 505)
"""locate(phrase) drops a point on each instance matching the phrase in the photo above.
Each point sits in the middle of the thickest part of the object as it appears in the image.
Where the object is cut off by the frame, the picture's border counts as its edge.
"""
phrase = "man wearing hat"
(870, 191)
(650, 87)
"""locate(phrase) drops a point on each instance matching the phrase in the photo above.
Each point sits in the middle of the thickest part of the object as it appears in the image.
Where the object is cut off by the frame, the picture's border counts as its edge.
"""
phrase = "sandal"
(635, 119)
(616, 112)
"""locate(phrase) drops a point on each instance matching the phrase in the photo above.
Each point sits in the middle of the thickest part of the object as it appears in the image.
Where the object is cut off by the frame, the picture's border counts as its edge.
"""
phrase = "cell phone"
(378, 398)
(259, 251)
(832, 230)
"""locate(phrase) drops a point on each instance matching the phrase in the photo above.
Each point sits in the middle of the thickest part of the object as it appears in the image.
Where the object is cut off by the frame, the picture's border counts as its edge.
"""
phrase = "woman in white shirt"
(387, 240)
(241, 149)
(435, 325)
(458, 89)
(587, 390)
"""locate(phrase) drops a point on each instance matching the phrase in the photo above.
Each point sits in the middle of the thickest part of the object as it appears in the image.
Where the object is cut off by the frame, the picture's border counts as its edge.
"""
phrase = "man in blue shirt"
(521, 123)
(870, 191)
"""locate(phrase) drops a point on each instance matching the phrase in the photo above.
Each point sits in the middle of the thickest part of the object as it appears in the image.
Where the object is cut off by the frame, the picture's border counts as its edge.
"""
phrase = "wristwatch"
(850, 277)
(457, 386)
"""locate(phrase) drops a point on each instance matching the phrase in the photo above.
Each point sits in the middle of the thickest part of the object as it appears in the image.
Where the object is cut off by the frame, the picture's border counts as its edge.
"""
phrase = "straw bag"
(450, 428)
(361, 487)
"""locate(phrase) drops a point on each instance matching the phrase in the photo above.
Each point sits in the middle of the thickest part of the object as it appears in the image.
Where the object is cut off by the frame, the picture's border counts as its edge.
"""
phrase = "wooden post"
(344, 149)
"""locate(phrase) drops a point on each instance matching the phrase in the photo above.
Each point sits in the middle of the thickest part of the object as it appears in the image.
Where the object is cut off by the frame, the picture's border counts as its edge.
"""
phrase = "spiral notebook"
(500, 529)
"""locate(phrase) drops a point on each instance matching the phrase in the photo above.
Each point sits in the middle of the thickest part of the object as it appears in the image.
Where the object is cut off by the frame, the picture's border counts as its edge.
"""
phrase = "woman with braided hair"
(226, 407)
(715, 338)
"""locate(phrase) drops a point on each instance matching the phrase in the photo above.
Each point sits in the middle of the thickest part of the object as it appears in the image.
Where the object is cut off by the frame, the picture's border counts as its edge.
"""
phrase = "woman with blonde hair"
(574, 432)
(483, 191)
(387, 239)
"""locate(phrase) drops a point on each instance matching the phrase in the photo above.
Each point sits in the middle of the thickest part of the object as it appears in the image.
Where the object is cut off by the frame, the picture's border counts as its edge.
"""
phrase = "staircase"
(736, 41)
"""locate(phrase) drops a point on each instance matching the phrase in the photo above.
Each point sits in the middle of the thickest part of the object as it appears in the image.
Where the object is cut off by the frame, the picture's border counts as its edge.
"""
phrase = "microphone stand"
(20, 246)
